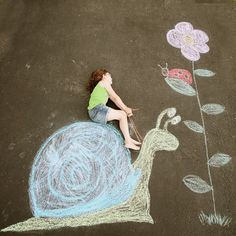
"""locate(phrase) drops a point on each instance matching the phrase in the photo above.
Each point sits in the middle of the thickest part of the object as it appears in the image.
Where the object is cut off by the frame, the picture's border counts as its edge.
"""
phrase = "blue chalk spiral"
(82, 168)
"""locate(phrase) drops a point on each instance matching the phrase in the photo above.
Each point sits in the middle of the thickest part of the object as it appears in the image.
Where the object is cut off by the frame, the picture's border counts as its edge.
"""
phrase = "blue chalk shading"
(82, 168)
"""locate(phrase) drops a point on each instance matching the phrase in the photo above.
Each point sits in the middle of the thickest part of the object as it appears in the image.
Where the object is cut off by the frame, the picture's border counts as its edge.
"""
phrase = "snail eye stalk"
(173, 121)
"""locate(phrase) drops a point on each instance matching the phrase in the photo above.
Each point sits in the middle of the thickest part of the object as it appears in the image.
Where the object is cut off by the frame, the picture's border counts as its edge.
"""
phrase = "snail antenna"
(166, 124)
(170, 113)
(173, 121)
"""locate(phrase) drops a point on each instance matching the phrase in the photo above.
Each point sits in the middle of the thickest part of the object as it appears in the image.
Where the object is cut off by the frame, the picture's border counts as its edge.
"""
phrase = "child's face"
(107, 77)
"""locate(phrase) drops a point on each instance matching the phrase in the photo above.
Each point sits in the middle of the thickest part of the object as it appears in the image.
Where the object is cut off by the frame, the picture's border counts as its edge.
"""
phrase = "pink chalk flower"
(191, 41)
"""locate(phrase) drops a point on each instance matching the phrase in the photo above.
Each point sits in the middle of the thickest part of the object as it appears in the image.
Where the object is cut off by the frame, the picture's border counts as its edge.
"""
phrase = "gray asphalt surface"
(48, 50)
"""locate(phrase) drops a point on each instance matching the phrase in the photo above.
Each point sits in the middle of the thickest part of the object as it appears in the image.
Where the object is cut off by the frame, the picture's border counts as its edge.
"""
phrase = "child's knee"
(123, 115)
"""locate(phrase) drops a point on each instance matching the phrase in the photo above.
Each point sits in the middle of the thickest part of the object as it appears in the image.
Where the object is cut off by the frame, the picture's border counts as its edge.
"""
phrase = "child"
(100, 88)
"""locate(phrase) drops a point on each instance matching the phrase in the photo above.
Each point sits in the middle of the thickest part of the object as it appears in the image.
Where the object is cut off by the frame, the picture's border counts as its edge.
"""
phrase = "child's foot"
(135, 142)
(132, 146)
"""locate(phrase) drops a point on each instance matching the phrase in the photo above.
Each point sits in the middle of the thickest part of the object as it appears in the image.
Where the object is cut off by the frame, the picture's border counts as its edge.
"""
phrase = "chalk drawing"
(196, 184)
(181, 74)
(82, 175)
(22, 155)
(27, 66)
(179, 80)
(80, 169)
(194, 126)
(192, 42)
(213, 219)
(213, 109)
(204, 73)
(219, 159)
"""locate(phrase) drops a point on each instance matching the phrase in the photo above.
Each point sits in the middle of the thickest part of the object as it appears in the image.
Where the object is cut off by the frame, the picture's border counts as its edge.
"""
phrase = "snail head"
(165, 141)
(160, 138)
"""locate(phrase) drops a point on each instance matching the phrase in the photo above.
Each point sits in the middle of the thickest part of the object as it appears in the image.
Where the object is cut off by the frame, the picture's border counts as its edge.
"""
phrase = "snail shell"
(82, 168)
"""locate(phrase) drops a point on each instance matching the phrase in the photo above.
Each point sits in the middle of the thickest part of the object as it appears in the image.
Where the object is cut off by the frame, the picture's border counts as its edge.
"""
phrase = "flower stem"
(205, 138)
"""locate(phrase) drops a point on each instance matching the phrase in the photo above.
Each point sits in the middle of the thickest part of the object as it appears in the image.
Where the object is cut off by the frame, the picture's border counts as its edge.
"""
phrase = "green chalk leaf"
(180, 86)
(194, 126)
(196, 184)
(219, 159)
(213, 109)
(204, 73)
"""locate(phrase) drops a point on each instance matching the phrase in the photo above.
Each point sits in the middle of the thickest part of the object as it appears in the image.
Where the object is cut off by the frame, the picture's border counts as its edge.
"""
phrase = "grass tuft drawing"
(213, 219)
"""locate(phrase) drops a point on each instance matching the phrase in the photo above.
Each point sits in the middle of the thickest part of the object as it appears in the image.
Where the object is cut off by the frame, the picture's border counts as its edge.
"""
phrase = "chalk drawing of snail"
(83, 175)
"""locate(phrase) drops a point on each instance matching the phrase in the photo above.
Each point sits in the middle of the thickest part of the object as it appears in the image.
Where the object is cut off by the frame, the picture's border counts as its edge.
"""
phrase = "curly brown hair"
(95, 77)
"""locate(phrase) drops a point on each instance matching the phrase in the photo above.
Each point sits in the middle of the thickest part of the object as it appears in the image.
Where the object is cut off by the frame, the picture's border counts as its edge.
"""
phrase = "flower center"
(188, 39)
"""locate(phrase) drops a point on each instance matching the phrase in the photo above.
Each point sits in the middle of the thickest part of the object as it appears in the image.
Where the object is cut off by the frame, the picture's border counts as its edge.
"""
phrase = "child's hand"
(129, 111)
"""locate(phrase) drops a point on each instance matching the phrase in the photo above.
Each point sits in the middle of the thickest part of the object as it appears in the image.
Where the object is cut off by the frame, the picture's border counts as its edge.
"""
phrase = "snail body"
(82, 175)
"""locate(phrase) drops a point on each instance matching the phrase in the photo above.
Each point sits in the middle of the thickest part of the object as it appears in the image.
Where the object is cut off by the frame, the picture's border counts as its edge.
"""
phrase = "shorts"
(99, 113)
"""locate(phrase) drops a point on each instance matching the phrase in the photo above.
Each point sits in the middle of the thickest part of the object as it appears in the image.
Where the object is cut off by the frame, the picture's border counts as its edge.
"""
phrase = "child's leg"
(122, 117)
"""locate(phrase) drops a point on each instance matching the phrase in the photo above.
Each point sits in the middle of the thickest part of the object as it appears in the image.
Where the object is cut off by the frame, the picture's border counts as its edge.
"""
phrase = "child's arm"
(117, 100)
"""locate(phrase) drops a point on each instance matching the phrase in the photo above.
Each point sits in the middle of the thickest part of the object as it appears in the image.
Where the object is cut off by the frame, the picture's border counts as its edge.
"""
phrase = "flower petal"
(202, 48)
(200, 36)
(174, 38)
(190, 53)
(184, 27)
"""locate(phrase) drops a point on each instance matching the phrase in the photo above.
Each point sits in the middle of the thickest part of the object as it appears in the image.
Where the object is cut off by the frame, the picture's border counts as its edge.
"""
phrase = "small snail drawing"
(181, 74)
(83, 175)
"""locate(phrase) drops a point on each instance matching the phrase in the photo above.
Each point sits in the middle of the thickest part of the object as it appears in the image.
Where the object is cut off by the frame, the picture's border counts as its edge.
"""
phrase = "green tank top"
(98, 96)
